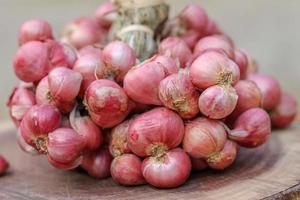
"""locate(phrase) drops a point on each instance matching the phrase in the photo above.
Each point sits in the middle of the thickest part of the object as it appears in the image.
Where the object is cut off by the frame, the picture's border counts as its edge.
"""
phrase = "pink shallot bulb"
(204, 137)
(212, 28)
(218, 102)
(64, 84)
(20, 101)
(97, 164)
(169, 170)
(107, 103)
(213, 68)
(119, 58)
(118, 144)
(43, 96)
(31, 62)
(198, 164)
(241, 59)
(285, 112)
(35, 30)
(249, 97)
(252, 128)
(82, 32)
(104, 14)
(141, 82)
(194, 17)
(215, 42)
(154, 132)
(191, 38)
(37, 123)
(167, 62)
(270, 89)
(4, 165)
(89, 61)
(127, 170)
(224, 158)
(177, 48)
(64, 145)
(61, 54)
(178, 93)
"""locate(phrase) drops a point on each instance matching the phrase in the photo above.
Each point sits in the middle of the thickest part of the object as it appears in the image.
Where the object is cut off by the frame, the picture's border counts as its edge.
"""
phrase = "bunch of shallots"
(88, 102)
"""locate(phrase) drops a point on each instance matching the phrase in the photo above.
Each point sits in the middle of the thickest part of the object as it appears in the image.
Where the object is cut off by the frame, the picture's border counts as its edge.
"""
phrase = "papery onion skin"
(285, 112)
(20, 101)
(64, 145)
(155, 131)
(119, 58)
(212, 68)
(35, 30)
(252, 128)
(64, 84)
(215, 42)
(203, 137)
(178, 93)
(89, 131)
(177, 48)
(4, 165)
(218, 102)
(37, 123)
(270, 89)
(31, 61)
(141, 82)
(118, 139)
(97, 163)
(225, 158)
(107, 103)
(169, 171)
(127, 170)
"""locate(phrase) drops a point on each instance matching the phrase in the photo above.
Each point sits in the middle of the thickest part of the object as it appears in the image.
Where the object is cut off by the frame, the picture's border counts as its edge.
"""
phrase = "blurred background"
(269, 30)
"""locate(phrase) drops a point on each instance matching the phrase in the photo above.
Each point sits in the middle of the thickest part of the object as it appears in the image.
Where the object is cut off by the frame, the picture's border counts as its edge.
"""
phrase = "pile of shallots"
(88, 102)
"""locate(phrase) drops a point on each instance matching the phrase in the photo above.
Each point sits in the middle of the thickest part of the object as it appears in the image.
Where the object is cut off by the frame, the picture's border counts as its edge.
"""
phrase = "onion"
(285, 112)
(177, 48)
(20, 101)
(119, 58)
(104, 13)
(118, 139)
(252, 128)
(141, 82)
(4, 165)
(269, 88)
(154, 132)
(204, 137)
(126, 170)
(218, 102)
(191, 38)
(37, 123)
(213, 68)
(215, 42)
(194, 17)
(169, 170)
(81, 32)
(224, 158)
(167, 62)
(35, 30)
(31, 62)
(97, 164)
(212, 28)
(241, 59)
(178, 93)
(107, 103)
(64, 84)
(198, 164)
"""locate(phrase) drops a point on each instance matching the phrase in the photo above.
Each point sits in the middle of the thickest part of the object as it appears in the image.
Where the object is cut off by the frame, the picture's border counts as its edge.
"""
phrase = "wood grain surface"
(269, 172)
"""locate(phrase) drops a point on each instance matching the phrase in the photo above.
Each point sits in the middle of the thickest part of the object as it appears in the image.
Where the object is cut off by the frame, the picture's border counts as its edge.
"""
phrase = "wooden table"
(269, 172)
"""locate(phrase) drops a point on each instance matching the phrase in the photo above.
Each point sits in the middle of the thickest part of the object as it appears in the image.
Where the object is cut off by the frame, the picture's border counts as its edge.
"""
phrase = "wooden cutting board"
(269, 172)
